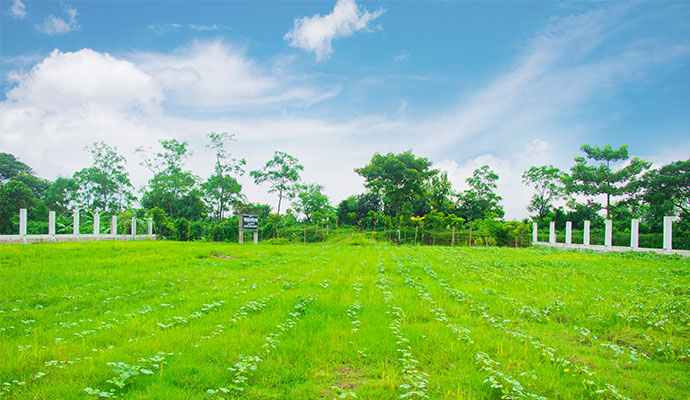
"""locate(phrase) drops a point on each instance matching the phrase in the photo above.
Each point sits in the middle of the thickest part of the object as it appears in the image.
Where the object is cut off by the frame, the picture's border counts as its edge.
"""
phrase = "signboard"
(250, 222)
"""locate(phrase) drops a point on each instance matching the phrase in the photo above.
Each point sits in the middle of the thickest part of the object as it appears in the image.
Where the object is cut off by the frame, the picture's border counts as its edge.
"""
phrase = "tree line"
(403, 193)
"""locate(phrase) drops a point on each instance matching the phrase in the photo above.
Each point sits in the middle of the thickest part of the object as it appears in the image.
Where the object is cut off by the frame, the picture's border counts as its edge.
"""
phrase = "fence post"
(75, 225)
(585, 233)
(668, 233)
(150, 226)
(113, 225)
(552, 232)
(97, 223)
(22, 224)
(568, 232)
(608, 234)
(256, 237)
(635, 233)
(535, 238)
(134, 227)
(51, 224)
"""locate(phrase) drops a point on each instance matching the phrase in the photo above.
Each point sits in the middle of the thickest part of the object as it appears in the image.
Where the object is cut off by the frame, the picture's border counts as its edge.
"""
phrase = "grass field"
(164, 320)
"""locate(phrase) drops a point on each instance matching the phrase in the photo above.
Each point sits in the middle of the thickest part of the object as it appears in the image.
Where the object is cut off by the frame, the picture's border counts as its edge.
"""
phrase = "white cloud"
(18, 10)
(53, 25)
(402, 56)
(316, 33)
(213, 75)
(85, 78)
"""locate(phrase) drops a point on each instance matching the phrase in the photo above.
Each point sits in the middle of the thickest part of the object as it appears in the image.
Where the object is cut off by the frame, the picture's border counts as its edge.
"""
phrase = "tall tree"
(480, 199)
(105, 185)
(172, 188)
(10, 166)
(397, 177)
(282, 174)
(310, 200)
(222, 189)
(548, 184)
(670, 184)
(600, 178)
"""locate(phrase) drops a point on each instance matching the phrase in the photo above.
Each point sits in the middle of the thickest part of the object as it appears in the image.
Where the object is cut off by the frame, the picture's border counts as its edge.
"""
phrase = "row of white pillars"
(75, 224)
(608, 233)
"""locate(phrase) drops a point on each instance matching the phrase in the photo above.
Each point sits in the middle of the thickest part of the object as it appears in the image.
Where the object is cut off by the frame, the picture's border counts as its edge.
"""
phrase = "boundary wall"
(608, 235)
(22, 237)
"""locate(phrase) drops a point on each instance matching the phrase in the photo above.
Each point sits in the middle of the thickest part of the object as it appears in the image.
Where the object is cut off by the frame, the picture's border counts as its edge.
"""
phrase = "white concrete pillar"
(51, 223)
(568, 232)
(535, 238)
(608, 234)
(552, 232)
(585, 233)
(97, 223)
(256, 237)
(22, 221)
(635, 233)
(134, 226)
(150, 226)
(668, 233)
(113, 225)
(75, 225)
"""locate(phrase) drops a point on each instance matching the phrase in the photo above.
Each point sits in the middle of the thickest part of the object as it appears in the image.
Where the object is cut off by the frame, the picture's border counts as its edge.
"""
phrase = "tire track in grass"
(593, 389)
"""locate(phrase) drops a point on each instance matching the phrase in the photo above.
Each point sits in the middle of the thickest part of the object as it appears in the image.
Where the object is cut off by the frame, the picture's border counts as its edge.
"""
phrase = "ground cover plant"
(337, 321)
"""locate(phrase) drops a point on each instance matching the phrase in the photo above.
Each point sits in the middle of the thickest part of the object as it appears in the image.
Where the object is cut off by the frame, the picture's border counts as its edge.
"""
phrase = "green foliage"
(397, 177)
(548, 184)
(311, 202)
(172, 188)
(222, 189)
(601, 179)
(282, 174)
(105, 185)
(480, 199)
(277, 241)
(13, 196)
(10, 166)
(670, 185)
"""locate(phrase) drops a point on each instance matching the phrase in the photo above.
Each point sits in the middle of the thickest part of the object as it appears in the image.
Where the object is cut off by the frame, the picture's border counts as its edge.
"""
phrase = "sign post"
(249, 223)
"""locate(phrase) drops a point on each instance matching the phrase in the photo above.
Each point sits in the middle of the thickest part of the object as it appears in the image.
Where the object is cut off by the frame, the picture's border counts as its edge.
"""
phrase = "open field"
(208, 320)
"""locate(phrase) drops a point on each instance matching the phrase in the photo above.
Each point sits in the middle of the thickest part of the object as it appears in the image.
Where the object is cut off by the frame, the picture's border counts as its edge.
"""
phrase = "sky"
(510, 84)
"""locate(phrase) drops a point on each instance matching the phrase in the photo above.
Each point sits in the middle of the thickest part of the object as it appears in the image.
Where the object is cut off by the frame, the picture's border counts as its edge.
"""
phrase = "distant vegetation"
(405, 197)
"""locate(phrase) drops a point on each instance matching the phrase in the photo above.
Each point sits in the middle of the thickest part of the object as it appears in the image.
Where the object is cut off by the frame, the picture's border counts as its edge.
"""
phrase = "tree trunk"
(415, 234)
(469, 241)
(452, 240)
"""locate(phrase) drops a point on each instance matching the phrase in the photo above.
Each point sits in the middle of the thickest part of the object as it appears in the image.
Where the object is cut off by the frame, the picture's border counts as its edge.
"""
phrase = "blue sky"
(509, 84)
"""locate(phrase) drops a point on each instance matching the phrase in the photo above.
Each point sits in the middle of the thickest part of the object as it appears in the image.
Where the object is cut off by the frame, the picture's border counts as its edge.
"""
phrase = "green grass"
(164, 320)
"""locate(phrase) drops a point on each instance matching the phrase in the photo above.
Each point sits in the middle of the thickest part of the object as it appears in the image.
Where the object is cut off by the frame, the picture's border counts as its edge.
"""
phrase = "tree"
(10, 166)
(222, 189)
(310, 200)
(600, 179)
(440, 193)
(547, 181)
(13, 196)
(105, 185)
(61, 194)
(480, 199)
(172, 188)
(282, 173)
(397, 177)
(669, 184)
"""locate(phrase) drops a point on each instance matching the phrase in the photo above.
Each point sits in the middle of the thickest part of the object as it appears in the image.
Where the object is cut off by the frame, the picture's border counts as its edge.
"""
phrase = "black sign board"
(250, 222)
